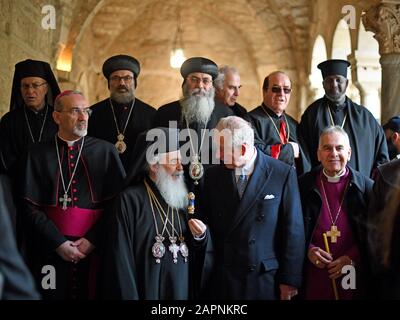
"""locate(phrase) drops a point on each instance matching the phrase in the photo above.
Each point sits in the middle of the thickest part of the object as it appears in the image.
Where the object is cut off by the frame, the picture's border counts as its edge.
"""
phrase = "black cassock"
(266, 135)
(98, 177)
(367, 139)
(238, 110)
(172, 112)
(15, 137)
(131, 271)
(102, 124)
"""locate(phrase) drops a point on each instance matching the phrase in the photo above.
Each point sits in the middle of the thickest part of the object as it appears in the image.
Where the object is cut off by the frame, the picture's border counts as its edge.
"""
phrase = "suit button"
(252, 241)
(259, 218)
(252, 267)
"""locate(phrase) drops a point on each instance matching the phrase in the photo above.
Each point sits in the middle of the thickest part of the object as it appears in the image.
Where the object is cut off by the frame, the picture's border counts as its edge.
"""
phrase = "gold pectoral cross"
(334, 233)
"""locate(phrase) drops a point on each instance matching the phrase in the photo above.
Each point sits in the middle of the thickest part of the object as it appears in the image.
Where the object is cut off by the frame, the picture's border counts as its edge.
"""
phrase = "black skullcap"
(121, 62)
(199, 64)
(393, 124)
(334, 67)
(152, 142)
(33, 68)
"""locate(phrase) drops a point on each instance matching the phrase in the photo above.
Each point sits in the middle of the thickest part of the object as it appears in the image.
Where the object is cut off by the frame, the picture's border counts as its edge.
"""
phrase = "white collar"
(248, 168)
(69, 143)
(335, 178)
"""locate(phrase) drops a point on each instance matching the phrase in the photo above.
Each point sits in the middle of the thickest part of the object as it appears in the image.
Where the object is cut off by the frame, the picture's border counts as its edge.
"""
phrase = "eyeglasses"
(117, 79)
(34, 86)
(196, 80)
(78, 111)
(276, 89)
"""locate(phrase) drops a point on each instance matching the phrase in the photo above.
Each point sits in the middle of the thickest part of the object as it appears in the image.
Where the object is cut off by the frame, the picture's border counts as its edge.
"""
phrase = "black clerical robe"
(238, 110)
(15, 133)
(367, 139)
(102, 124)
(266, 135)
(172, 112)
(131, 271)
(98, 176)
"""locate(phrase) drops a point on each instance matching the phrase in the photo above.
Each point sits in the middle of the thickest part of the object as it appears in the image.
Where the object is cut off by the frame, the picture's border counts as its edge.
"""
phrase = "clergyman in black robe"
(66, 184)
(29, 119)
(198, 112)
(367, 139)
(120, 118)
(151, 244)
(275, 131)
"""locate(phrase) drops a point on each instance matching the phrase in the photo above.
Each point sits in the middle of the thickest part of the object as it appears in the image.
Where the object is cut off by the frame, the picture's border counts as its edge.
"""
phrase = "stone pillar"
(383, 20)
(366, 76)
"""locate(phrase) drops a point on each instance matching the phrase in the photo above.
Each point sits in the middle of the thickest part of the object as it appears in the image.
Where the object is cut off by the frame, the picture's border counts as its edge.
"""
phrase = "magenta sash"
(74, 222)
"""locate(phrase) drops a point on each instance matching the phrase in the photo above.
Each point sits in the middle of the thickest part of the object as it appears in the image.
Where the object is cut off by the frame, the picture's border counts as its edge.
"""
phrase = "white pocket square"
(269, 197)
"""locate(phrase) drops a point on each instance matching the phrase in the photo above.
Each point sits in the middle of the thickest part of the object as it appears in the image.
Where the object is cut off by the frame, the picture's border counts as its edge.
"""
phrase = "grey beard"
(79, 131)
(122, 98)
(337, 101)
(173, 191)
(197, 109)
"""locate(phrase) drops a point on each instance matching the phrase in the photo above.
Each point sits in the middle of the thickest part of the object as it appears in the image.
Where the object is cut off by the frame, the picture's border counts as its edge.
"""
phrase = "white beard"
(173, 191)
(197, 108)
(80, 129)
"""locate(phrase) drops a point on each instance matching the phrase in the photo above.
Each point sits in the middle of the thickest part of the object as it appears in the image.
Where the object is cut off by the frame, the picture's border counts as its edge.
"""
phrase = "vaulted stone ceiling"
(255, 36)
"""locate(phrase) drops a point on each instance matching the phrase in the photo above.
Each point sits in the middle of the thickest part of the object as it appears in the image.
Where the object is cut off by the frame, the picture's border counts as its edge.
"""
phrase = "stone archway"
(318, 55)
(341, 49)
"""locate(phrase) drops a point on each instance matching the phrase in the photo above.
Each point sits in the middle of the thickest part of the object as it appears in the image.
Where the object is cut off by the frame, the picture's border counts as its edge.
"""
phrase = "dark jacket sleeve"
(17, 281)
(292, 242)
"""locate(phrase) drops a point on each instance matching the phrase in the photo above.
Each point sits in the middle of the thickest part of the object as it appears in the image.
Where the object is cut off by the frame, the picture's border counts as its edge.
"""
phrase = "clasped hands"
(74, 251)
(322, 259)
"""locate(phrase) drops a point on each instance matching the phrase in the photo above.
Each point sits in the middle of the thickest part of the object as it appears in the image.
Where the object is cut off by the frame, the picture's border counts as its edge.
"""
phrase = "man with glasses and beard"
(66, 183)
(275, 131)
(152, 244)
(196, 110)
(120, 118)
(367, 140)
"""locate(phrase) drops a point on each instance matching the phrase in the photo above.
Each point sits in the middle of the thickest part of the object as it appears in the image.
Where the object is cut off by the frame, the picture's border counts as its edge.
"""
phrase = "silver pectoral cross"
(174, 248)
(64, 200)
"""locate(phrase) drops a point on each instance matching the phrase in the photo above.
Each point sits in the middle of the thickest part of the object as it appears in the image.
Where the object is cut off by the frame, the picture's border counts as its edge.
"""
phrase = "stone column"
(366, 76)
(384, 21)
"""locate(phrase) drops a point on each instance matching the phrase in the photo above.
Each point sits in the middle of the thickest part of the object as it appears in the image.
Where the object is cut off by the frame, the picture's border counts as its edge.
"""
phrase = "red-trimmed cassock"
(97, 180)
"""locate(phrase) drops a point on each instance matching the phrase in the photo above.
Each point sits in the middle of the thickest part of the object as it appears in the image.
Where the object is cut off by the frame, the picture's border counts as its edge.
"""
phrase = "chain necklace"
(120, 144)
(333, 233)
(158, 248)
(196, 169)
(333, 122)
(65, 199)
(29, 126)
(273, 122)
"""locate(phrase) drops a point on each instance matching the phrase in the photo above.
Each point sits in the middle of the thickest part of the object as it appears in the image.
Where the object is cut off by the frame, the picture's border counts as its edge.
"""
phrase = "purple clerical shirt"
(317, 283)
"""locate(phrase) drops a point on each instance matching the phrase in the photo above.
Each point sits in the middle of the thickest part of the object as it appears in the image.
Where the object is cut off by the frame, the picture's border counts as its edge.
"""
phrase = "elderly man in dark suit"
(252, 207)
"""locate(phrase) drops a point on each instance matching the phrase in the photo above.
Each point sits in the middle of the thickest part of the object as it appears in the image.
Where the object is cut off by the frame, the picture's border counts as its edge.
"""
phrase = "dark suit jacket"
(258, 240)
(18, 283)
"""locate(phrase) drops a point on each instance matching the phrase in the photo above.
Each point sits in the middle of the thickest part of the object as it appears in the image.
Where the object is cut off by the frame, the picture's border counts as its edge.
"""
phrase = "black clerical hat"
(334, 67)
(149, 144)
(33, 68)
(393, 124)
(121, 62)
(199, 64)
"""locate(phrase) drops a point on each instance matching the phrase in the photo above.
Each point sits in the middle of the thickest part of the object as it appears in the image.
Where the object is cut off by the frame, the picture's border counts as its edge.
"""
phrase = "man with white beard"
(66, 184)
(151, 242)
(120, 118)
(196, 110)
